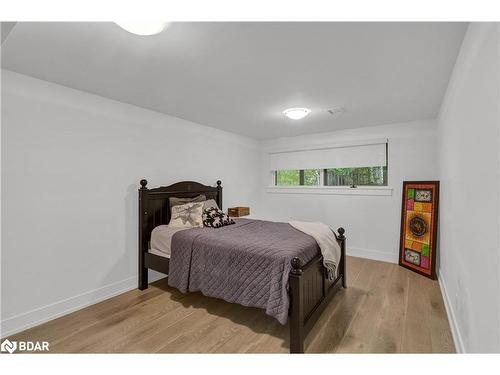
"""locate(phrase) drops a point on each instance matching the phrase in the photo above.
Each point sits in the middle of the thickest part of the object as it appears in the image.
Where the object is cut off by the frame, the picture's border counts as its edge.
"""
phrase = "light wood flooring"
(386, 309)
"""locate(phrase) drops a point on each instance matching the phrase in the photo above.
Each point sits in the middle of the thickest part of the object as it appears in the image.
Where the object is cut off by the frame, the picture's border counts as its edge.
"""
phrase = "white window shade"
(365, 155)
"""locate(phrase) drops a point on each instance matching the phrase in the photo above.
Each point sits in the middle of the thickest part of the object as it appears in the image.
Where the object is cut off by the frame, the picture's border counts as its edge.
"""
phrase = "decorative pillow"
(209, 203)
(178, 201)
(215, 218)
(187, 215)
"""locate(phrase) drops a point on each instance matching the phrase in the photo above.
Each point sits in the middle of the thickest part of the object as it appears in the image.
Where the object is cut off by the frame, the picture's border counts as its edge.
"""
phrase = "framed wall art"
(419, 213)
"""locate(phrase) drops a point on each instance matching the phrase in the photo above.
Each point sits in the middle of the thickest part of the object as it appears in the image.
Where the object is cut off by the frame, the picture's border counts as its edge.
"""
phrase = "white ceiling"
(240, 76)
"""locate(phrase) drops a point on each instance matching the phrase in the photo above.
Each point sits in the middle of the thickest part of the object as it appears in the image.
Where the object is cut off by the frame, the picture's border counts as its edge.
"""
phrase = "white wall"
(469, 168)
(372, 223)
(71, 163)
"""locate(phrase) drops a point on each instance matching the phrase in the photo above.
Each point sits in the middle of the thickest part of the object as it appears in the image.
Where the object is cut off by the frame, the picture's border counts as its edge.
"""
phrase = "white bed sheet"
(161, 240)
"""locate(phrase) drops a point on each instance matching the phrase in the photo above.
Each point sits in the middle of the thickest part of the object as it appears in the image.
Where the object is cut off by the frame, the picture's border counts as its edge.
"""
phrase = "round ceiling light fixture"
(143, 27)
(296, 113)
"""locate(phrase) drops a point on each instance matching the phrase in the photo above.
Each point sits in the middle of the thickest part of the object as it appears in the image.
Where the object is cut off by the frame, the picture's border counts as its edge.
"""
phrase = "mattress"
(161, 240)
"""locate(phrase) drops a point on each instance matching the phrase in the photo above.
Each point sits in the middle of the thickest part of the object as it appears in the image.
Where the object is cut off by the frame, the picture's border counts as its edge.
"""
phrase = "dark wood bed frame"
(309, 287)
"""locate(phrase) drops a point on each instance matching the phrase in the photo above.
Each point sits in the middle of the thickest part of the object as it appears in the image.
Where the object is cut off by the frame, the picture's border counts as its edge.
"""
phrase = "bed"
(252, 262)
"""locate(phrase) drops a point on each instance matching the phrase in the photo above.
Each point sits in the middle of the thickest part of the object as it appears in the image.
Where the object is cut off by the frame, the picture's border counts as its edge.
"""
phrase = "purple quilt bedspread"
(246, 263)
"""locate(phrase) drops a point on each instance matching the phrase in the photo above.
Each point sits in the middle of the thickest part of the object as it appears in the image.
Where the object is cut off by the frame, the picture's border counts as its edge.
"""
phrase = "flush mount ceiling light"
(143, 27)
(296, 113)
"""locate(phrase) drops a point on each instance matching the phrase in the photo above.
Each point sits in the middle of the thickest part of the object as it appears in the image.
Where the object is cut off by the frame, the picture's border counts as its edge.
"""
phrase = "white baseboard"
(372, 254)
(29, 319)
(455, 331)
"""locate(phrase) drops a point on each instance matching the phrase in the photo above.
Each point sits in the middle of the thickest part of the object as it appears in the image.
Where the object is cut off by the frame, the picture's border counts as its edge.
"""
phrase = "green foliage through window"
(363, 176)
(307, 177)
(288, 178)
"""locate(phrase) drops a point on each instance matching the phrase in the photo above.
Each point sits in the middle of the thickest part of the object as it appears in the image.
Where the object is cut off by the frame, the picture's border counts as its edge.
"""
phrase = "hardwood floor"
(386, 309)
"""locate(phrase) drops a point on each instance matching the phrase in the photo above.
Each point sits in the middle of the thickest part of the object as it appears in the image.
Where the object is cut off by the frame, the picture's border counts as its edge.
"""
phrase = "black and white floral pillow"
(215, 218)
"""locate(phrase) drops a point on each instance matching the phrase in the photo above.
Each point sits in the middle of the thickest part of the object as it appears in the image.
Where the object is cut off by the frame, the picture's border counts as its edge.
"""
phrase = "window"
(351, 165)
(296, 177)
(364, 176)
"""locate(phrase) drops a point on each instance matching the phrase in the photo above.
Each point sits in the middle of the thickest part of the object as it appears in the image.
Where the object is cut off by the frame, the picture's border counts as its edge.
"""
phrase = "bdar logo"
(8, 346)
(24, 346)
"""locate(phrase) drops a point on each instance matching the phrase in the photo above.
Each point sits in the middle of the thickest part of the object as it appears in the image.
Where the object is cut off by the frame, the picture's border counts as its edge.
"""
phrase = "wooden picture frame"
(419, 221)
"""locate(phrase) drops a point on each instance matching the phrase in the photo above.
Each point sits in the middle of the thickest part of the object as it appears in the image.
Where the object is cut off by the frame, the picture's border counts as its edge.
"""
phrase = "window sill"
(331, 190)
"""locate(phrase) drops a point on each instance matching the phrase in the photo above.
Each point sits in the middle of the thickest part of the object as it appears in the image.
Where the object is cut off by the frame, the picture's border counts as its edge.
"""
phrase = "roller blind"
(364, 155)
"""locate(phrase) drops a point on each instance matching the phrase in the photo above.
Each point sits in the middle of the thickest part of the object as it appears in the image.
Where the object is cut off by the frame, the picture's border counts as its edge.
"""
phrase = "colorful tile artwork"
(424, 262)
(409, 204)
(410, 194)
(418, 227)
(426, 207)
(425, 250)
(423, 195)
(412, 257)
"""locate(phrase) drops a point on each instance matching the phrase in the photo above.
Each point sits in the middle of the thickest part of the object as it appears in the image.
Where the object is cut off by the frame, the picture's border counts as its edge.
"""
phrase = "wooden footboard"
(310, 292)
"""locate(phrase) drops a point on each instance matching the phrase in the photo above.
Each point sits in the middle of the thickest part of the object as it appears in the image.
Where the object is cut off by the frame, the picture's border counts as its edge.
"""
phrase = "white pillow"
(209, 203)
(187, 215)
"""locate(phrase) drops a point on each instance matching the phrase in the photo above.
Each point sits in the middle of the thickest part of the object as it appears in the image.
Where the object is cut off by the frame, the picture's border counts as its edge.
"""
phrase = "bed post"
(143, 271)
(343, 270)
(219, 194)
(296, 308)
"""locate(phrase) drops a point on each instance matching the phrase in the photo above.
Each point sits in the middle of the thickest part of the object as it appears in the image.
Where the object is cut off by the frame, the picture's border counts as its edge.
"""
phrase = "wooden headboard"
(154, 207)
